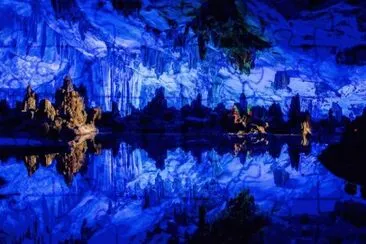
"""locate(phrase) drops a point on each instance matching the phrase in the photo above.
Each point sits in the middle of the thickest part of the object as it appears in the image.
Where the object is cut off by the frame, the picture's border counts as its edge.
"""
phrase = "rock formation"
(48, 158)
(31, 163)
(281, 80)
(237, 31)
(70, 104)
(46, 110)
(30, 101)
(337, 112)
(69, 162)
(72, 117)
(158, 104)
(67, 118)
(94, 115)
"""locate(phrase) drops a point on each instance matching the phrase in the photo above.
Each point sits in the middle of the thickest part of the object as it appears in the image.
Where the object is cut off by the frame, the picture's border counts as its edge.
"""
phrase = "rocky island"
(43, 123)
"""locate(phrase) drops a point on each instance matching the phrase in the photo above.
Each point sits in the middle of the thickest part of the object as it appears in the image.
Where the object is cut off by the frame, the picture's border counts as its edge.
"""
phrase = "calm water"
(148, 188)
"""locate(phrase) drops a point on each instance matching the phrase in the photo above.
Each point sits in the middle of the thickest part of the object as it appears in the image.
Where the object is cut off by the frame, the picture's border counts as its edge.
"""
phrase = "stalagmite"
(71, 110)
(46, 110)
(30, 101)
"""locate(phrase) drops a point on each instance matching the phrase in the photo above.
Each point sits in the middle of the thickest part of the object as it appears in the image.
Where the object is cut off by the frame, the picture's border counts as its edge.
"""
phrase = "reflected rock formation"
(31, 163)
(168, 198)
(71, 161)
(68, 163)
(347, 157)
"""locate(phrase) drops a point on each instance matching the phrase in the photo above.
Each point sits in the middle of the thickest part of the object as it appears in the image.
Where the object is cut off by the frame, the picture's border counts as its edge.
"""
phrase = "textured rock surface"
(124, 56)
(70, 105)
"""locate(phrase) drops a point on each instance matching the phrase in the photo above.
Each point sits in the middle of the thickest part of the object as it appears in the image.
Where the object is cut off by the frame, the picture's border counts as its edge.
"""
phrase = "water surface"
(150, 188)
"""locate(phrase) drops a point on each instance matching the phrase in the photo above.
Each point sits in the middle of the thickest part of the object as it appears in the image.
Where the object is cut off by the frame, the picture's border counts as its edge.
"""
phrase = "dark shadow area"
(238, 222)
(126, 6)
(223, 23)
(241, 119)
(73, 158)
(70, 159)
(346, 159)
(158, 145)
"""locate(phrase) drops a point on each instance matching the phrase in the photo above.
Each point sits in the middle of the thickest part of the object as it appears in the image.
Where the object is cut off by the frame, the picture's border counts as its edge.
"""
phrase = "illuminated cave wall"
(123, 50)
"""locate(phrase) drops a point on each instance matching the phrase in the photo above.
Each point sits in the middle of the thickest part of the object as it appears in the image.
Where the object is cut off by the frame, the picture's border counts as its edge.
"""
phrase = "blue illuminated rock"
(122, 51)
(281, 80)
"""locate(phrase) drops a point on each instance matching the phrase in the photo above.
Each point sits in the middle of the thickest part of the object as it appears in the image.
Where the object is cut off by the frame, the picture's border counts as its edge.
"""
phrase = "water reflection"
(70, 162)
(135, 188)
(158, 145)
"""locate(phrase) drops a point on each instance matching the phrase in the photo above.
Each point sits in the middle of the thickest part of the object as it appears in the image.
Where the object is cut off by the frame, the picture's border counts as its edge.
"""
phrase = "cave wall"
(123, 53)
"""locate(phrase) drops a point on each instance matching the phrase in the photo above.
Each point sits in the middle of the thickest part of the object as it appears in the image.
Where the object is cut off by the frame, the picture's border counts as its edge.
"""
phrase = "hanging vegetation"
(221, 23)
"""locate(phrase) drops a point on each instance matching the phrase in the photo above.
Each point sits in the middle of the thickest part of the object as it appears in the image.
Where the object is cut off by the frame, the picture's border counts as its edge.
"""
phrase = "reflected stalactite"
(47, 159)
(130, 160)
(294, 154)
(32, 161)
(70, 163)
(305, 130)
(31, 164)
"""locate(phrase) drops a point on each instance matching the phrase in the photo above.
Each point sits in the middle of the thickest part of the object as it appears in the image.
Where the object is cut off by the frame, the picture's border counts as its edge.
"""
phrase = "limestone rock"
(46, 111)
(30, 100)
(281, 80)
(158, 104)
(70, 104)
(337, 112)
(73, 118)
(94, 115)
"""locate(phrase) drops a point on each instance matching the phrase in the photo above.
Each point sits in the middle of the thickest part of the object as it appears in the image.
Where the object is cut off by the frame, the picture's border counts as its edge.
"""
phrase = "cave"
(156, 121)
